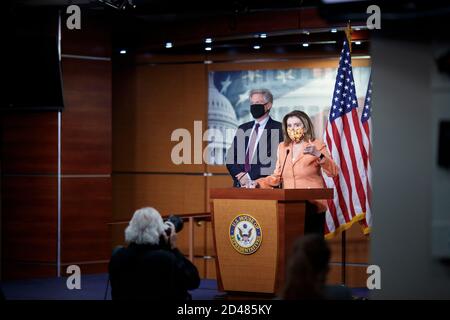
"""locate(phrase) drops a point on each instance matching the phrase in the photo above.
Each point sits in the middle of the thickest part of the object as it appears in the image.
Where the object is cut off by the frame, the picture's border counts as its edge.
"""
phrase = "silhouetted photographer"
(152, 267)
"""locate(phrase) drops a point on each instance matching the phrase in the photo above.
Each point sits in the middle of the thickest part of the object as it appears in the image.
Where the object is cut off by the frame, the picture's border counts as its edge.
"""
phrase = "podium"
(253, 232)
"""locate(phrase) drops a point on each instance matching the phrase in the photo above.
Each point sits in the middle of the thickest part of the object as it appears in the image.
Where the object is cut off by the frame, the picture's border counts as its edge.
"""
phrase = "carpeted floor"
(93, 287)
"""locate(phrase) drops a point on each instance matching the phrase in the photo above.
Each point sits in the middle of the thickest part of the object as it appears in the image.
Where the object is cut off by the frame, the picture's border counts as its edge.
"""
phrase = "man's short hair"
(268, 96)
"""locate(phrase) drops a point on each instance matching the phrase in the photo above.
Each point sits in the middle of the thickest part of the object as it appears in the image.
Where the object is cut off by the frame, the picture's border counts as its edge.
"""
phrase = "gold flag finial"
(348, 33)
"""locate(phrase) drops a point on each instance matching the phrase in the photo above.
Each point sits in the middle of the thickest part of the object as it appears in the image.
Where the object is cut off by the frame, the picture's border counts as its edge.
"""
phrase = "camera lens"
(177, 222)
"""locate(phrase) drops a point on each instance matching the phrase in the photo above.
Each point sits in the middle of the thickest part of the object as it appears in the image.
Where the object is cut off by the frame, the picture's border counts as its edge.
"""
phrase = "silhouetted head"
(307, 268)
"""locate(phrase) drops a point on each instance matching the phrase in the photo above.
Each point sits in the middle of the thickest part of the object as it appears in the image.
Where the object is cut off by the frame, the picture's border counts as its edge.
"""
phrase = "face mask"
(257, 110)
(296, 134)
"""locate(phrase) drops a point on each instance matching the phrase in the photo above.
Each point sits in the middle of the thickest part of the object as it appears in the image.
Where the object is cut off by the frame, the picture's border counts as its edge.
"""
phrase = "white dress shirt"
(262, 125)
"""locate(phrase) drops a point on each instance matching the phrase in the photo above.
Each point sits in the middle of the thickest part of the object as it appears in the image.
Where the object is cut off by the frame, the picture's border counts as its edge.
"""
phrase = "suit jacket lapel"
(247, 136)
(269, 123)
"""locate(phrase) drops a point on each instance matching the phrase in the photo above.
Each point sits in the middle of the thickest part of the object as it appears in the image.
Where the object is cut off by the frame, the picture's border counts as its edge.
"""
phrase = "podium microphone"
(280, 185)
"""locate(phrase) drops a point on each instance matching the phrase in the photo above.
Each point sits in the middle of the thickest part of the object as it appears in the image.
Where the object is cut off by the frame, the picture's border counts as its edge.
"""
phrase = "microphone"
(280, 185)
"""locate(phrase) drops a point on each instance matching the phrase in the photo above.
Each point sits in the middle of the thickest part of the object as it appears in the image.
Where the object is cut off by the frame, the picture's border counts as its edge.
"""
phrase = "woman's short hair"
(146, 227)
(307, 124)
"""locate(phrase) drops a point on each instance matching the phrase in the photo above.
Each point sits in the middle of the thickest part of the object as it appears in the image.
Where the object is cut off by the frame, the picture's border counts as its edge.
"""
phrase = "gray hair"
(145, 227)
(268, 96)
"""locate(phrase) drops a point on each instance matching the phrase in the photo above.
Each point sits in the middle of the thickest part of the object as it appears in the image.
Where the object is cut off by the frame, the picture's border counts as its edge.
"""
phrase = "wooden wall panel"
(29, 142)
(221, 26)
(93, 39)
(335, 245)
(199, 239)
(357, 252)
(29, 160)
(160, 100)
(356, 275)
(86, 210)
(221, 169)
(334, 276)
(210, 250)
(200, 263)
(124, 115)
(117, 231)
(358, 245)
(217, 181)
(86, 121)
(166, 193)
(88, 268)
(211, 269)
(29, 219)
(25, 270)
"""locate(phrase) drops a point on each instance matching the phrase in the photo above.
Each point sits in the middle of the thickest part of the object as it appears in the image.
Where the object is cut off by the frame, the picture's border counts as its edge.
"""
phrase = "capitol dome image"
(222, 124)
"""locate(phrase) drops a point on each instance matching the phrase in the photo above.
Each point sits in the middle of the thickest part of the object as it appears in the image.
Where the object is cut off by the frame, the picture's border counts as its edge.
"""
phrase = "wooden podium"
(253, 232)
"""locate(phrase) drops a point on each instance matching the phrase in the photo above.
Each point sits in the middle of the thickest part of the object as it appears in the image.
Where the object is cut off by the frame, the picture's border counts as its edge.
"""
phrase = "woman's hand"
(311, 149)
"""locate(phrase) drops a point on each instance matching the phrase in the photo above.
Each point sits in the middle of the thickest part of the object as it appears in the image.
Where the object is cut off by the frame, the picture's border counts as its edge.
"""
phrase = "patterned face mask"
(296, 134)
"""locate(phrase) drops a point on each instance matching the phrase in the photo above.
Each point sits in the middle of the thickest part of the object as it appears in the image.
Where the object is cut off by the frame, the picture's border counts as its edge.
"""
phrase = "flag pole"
(343, 257)
(348, 34)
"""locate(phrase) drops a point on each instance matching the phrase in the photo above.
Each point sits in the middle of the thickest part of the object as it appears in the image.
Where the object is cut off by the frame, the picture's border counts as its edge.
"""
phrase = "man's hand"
(243, 178)
(251, 184)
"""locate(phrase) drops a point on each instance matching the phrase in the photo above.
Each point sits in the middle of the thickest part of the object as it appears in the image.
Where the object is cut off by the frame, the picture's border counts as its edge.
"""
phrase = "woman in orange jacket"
(304, 157)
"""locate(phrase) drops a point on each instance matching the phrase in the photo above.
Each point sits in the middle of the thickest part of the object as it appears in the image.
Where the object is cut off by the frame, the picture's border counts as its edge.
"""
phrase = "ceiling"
(237, 24)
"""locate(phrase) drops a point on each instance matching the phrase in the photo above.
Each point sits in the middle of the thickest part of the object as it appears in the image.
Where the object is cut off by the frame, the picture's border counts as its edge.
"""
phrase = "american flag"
(344, 139)
(366, 120)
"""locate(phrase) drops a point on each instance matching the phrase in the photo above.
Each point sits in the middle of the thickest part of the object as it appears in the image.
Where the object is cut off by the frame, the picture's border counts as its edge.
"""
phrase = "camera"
(177, 222)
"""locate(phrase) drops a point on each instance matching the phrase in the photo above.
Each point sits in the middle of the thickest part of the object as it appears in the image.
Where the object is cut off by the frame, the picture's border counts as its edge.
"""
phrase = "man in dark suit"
(253, 152)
